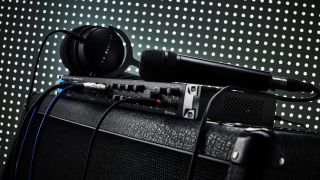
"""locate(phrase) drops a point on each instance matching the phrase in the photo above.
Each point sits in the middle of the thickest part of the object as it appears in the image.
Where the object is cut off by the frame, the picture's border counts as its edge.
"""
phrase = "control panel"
(180, 99)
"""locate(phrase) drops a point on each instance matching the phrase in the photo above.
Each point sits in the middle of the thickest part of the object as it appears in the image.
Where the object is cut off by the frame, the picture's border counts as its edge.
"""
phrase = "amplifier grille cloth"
(63, 146)
(116, 157)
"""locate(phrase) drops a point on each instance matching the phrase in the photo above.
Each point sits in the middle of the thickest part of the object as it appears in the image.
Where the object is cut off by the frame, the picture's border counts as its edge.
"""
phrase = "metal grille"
(244, 109)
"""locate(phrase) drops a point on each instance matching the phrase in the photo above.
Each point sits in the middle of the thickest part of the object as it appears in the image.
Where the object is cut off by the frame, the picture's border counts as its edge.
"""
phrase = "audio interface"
(181, 99)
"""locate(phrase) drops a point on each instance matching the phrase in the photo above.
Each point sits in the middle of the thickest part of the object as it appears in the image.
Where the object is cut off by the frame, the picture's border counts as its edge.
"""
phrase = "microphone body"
(169, 67)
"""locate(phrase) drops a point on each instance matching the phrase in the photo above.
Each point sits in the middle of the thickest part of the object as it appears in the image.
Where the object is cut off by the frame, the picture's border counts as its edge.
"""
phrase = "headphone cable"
(71, 33)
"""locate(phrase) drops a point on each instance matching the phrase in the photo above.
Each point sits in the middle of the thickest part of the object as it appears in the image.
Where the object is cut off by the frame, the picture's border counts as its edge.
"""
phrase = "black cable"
(202, 127)
(70, 33)
(43, 121)
(142, 101)
(279, 118)
(41, 98)
(36, 104)
(314, 97)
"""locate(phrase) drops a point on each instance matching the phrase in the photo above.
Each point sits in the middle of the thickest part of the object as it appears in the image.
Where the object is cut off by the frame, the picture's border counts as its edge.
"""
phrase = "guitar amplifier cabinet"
(139, 145)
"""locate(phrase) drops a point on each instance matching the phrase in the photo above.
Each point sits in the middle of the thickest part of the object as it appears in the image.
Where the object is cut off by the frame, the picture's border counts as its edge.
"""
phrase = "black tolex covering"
(137, 145)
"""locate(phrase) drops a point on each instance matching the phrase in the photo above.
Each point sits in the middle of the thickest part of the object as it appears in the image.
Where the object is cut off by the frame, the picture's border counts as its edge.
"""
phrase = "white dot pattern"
(272, 35)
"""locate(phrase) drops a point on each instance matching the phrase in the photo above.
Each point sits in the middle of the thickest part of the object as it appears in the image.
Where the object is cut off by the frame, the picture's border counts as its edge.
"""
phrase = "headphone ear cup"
(67, 50)
(74, 57)
(103, 51)
(79, 54)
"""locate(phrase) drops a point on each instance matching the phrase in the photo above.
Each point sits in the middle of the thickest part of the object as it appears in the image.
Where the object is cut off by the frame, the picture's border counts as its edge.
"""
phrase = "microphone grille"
(158, 65)
(152, 65)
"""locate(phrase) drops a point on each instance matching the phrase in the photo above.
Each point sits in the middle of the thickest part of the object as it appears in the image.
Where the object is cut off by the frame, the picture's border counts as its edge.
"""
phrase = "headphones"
(97, 52)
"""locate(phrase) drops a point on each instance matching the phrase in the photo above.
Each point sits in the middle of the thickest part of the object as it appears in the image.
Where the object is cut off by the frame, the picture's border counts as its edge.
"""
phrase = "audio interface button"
(154, 94)
(114, 86)
(139, 88)
(129, 87)
(116, 97)
(175, 91)
(122, 87)
(164, 90)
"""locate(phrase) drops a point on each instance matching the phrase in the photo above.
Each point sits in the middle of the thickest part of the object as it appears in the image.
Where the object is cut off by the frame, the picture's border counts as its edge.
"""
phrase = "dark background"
(278, 36)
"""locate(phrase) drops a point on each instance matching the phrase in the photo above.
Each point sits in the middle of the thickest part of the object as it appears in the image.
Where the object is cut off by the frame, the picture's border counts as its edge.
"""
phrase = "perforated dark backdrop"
(278, 36)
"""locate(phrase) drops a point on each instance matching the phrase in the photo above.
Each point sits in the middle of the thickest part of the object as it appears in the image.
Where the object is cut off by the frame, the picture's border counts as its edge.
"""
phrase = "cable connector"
(89, 86)
(289, 84)
(293, 85)
(94, 86)
(278, 83)
(84, 86)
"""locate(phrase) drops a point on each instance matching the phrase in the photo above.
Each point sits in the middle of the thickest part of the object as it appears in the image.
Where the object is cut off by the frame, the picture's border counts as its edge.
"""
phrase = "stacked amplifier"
(181, 100)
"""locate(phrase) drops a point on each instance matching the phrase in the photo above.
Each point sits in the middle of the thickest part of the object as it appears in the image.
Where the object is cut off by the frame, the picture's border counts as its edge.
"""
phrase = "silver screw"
(235, 155)
(189, 114)
(193, 88)
(281, 161)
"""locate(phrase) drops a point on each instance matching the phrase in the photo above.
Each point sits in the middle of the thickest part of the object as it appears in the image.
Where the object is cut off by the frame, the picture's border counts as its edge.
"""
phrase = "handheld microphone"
(165, 66)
